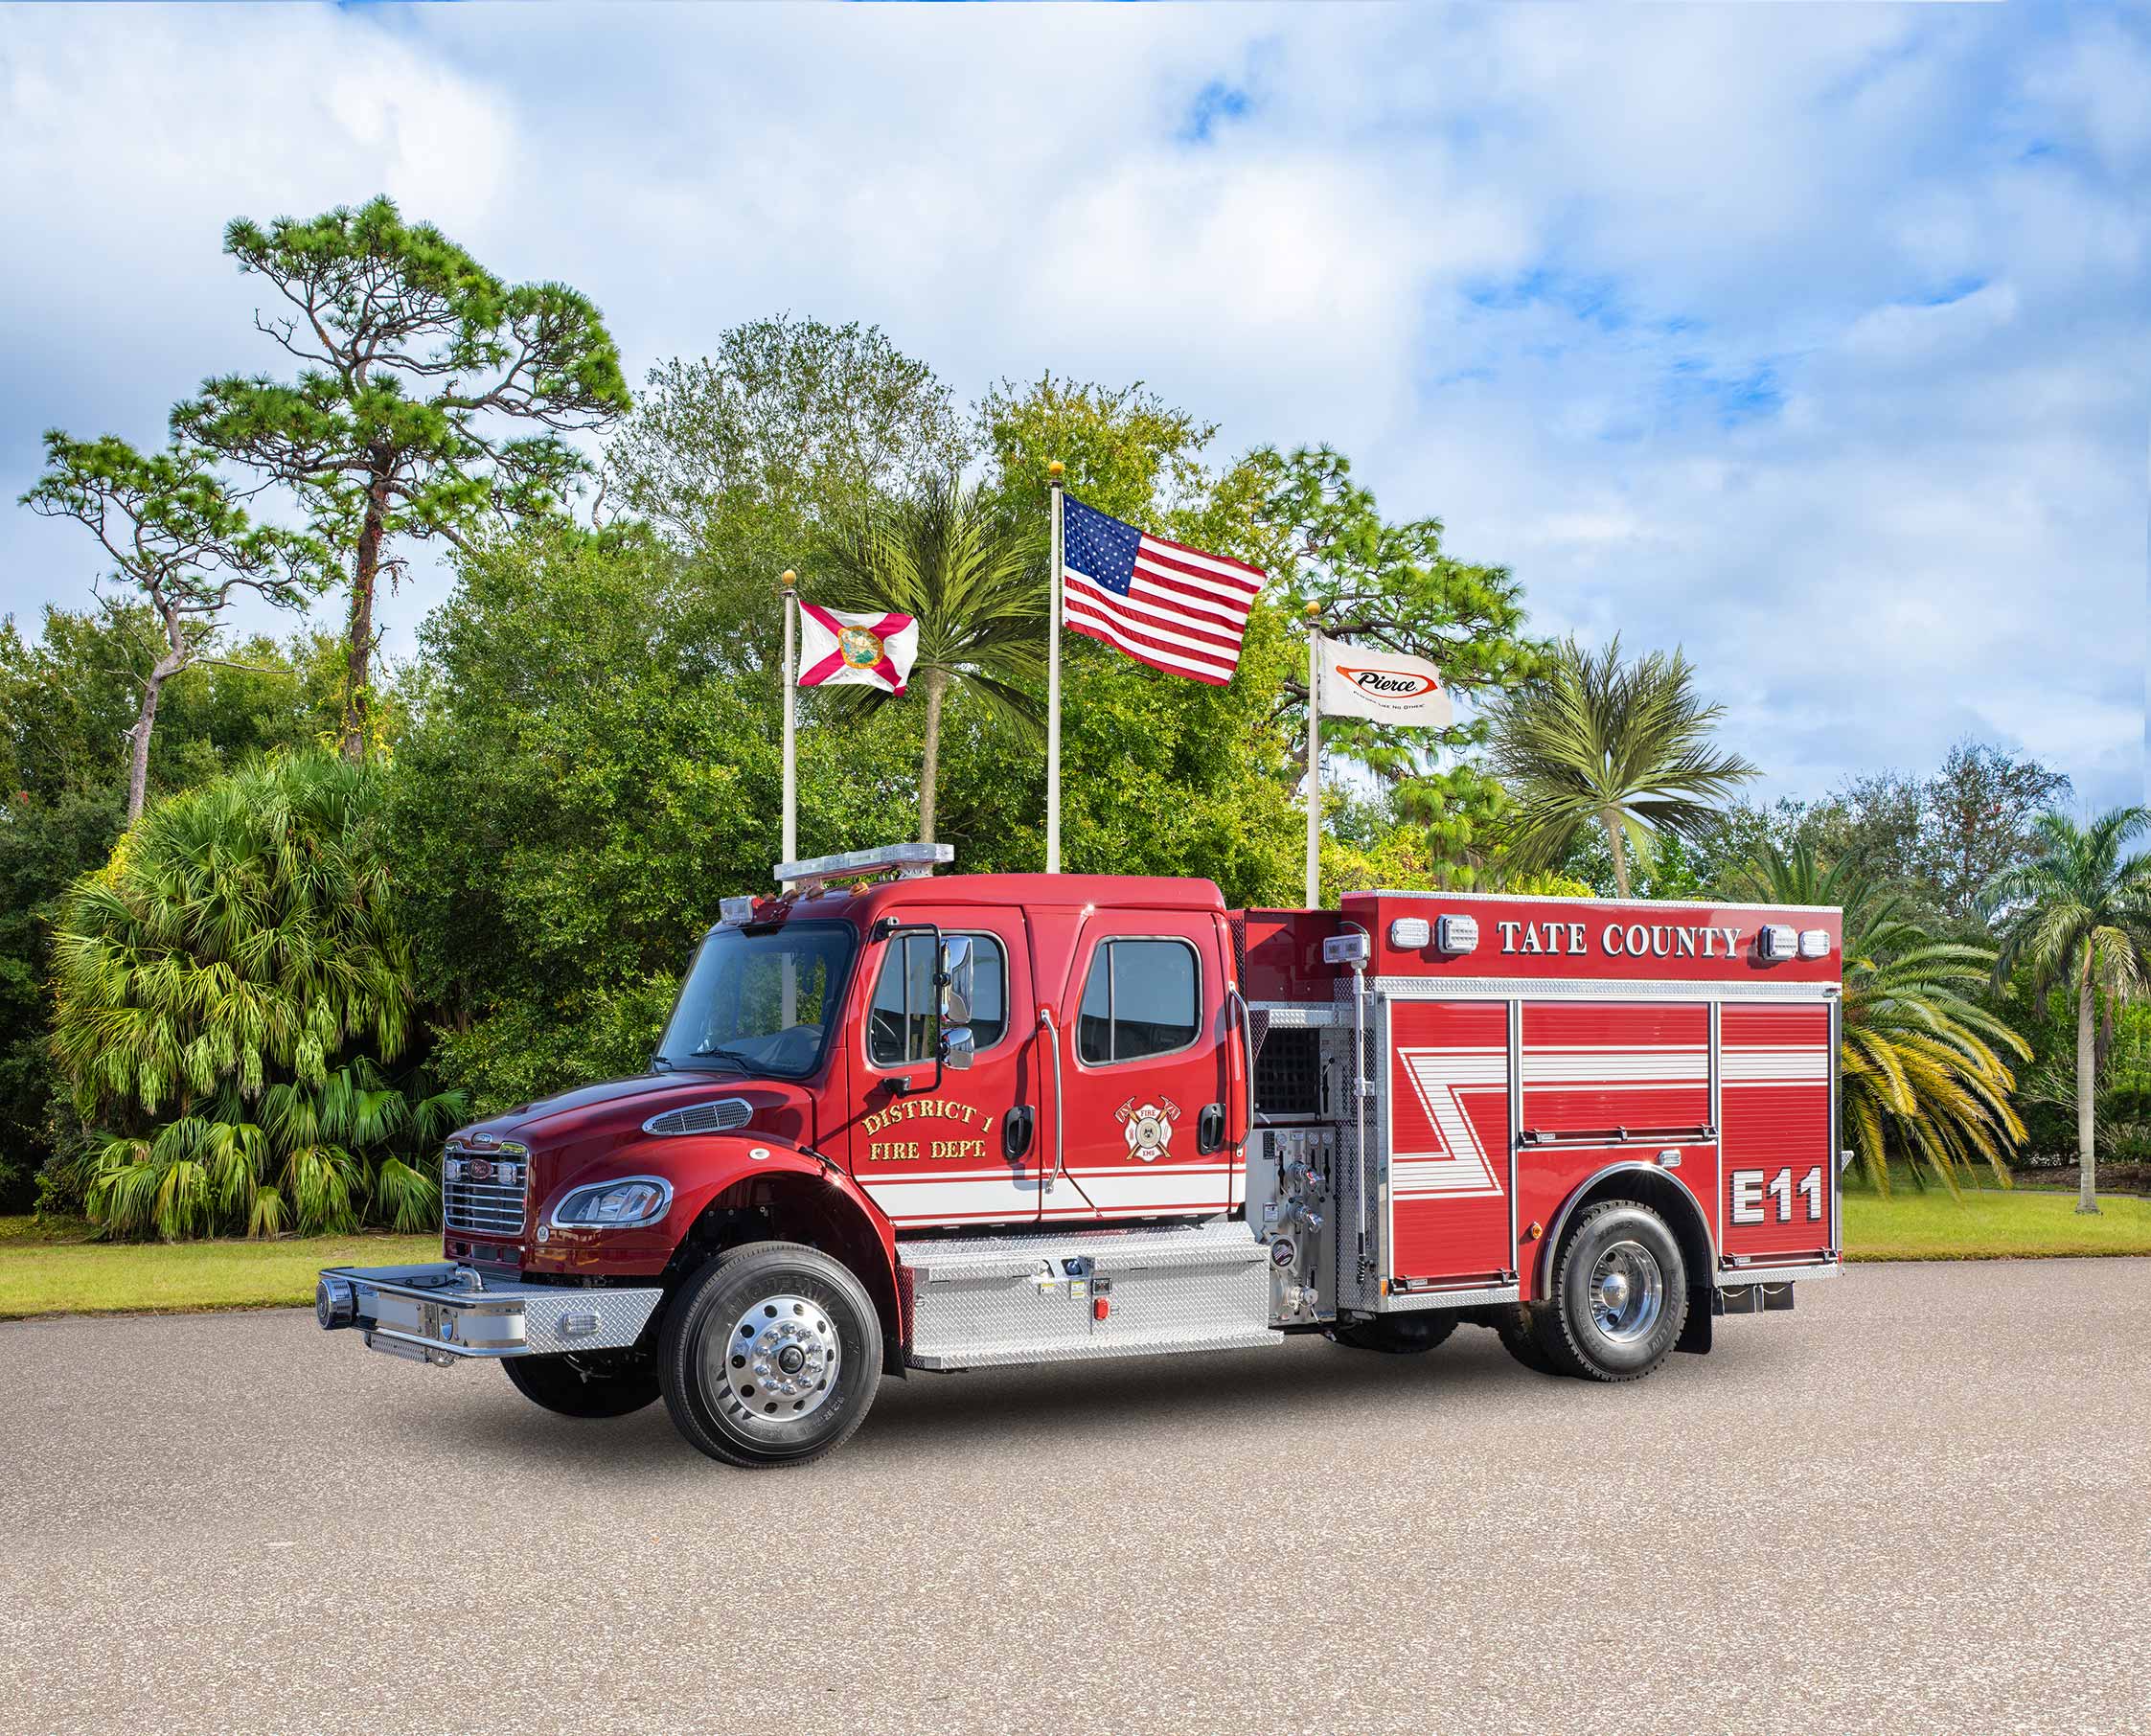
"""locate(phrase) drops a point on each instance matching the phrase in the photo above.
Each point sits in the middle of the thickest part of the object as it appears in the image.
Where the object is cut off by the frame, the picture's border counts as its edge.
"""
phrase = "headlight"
(620, 1204)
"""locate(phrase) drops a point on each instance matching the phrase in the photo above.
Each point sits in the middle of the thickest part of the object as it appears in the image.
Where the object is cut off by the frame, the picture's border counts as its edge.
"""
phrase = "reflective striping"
(1684, 1065)
(1808, 1064)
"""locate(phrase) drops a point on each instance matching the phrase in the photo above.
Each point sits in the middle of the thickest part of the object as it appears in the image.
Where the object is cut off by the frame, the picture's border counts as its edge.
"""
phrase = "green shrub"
(230, 990)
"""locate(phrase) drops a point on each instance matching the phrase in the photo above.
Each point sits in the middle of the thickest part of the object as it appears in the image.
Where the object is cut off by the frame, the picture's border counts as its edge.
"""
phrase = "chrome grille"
(484, 1193)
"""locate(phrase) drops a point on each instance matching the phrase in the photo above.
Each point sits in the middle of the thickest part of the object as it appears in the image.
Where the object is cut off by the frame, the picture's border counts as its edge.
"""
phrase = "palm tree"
(2079, 915)
(1918, 1066)
(979, 595)
(226, 990)
(1622, 746)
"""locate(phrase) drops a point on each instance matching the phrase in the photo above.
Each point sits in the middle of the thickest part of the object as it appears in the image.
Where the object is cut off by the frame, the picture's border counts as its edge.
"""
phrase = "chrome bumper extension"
(444, 1313)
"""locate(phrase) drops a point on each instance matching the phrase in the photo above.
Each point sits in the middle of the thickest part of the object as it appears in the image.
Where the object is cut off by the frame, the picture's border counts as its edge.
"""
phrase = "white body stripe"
(1809, 1065)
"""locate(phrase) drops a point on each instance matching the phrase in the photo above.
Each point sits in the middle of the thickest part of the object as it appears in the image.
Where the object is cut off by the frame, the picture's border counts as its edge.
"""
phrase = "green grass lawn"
(1989, 1224)
(46, 1269)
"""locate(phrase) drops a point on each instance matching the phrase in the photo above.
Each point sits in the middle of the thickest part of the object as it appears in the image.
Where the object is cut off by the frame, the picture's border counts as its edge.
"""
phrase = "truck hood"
(619, 1106)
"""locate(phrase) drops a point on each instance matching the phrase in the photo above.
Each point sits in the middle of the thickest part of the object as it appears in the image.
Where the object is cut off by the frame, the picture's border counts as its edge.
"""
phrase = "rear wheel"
(770, 1354)
(1620, 1294)
(583, 1386)
(1398, 1334)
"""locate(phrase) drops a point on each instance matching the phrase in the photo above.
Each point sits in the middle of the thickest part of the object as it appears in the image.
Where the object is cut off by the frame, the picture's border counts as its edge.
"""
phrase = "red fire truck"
(906, 1121)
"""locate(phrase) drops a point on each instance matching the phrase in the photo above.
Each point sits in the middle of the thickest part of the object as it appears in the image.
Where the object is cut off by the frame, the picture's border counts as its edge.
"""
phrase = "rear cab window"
(1143, 997)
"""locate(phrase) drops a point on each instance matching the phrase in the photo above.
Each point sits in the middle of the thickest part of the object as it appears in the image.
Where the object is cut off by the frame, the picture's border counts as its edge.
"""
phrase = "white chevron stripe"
(1440, 1078)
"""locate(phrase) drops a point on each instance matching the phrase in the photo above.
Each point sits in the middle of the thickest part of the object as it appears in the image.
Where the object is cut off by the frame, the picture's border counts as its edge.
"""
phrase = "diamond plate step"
(996, 1301)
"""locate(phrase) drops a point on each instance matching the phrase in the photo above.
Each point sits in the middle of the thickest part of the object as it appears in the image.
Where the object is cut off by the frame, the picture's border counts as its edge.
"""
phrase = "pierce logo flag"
(1386, 686)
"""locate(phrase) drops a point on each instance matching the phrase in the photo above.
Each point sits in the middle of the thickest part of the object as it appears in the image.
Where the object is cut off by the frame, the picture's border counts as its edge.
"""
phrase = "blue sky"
(1812, 340)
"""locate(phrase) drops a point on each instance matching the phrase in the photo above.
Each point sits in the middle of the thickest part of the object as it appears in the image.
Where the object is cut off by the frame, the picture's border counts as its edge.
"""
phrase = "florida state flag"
(837, 646)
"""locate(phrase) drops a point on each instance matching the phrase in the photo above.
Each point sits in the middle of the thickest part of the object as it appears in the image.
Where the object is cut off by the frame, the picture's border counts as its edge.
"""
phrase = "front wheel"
(1620, 1294)
(770, 1354)
(583, 1386)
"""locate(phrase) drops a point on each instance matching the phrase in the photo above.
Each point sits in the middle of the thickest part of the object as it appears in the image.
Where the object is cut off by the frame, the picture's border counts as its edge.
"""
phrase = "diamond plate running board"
(996, 1301)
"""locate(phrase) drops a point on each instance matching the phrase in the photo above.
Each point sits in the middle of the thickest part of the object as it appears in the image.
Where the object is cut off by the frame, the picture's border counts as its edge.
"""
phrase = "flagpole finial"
(790, 579)
(1313, 609)
(1055, 469)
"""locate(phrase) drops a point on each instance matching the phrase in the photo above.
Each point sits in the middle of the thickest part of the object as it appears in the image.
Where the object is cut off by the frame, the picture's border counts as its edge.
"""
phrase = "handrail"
(1247, 1061)
(1053, 1034)
(1541, 1136)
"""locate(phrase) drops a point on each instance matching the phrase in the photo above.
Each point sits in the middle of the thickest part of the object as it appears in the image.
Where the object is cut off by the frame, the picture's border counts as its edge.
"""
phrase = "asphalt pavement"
(1919, 1502)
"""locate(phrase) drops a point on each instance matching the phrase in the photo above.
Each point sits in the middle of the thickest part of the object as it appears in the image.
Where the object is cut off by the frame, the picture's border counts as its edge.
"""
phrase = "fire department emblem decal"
(860, 646)
(1149, 1129)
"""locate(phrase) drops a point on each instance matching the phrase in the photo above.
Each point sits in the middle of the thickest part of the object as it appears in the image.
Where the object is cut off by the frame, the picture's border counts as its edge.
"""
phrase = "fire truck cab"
(901, 1120)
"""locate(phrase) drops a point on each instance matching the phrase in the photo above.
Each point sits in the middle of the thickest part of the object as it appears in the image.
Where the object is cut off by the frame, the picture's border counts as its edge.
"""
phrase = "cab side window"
(903, 1022)
(1142, 997)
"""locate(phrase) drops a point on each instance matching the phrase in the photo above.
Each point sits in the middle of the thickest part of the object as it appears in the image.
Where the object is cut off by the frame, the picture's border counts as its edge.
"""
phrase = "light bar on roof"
(905, 859)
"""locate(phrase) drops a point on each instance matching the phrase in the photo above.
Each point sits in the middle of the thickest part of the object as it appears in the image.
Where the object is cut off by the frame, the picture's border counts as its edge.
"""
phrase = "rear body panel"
(1578, 1043)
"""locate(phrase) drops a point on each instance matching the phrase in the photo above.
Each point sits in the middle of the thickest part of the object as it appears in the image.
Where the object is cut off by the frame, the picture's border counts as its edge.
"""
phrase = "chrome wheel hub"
(777, 1365)
(1627, 1291)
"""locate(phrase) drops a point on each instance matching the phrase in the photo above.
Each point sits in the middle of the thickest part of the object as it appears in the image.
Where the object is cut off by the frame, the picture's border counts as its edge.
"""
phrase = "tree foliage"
(229, 990)
(978, 587)
(68, 702)
(583, 780)
(1622, 746)
(1921, 1074)
(2078, 917)
(180, 543)
(417, 366)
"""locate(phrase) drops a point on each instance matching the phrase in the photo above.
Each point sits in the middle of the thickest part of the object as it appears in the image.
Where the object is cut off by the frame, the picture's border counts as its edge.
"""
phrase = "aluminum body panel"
(1005, 1300)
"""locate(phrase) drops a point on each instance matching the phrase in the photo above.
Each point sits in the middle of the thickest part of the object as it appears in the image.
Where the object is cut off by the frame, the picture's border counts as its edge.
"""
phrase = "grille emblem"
(477, 1169)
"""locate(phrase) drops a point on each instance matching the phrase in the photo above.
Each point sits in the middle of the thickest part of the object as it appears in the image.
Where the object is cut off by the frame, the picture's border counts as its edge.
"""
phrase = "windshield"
(760, 1003)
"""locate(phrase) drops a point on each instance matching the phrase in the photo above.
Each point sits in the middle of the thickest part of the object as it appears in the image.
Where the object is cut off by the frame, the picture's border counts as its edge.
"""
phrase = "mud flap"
(1695, 1330)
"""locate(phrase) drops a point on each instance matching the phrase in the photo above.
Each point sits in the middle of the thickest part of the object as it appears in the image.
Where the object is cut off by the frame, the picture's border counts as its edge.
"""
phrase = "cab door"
(1143, 1067)
(934, 1145)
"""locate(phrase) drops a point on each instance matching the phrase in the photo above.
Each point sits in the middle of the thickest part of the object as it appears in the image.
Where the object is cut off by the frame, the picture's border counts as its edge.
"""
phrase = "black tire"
(1522, 1336)
(1599, 1332)
(752, 1397)
(583, 1386)
(1398, 1334)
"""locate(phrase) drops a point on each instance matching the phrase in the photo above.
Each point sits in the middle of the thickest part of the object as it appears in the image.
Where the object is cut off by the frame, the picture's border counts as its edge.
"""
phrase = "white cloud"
(1814, 341)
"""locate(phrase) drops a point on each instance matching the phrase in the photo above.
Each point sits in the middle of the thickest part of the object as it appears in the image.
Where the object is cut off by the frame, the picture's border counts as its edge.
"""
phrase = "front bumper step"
(443, 1314)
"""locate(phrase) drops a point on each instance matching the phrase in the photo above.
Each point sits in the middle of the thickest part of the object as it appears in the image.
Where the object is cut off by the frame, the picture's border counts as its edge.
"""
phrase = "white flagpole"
(791, 581)
(789, 1010)
(1314, 759)
(1053, 689)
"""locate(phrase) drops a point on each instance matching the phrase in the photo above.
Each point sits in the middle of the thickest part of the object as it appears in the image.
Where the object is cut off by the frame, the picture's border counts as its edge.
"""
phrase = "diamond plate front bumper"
(443, 1314)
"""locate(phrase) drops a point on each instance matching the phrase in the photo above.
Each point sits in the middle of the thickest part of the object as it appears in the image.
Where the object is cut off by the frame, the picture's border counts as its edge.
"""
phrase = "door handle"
(1015, 1132)
(1209, 1128)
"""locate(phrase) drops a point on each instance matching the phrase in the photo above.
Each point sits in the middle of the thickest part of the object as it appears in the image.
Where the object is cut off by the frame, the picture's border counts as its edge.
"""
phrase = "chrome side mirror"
(956, 1047)
(954, 977)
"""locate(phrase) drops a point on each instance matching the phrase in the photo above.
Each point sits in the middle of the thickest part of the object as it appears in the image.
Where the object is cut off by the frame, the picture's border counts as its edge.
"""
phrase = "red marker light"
(1101, 1306)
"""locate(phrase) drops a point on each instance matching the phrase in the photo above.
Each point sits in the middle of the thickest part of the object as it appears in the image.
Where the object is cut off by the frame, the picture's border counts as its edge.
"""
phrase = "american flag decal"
(1160, 602)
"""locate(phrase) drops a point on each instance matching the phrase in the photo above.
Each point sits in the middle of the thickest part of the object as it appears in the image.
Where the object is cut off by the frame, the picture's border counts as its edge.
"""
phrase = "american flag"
(1164, 603)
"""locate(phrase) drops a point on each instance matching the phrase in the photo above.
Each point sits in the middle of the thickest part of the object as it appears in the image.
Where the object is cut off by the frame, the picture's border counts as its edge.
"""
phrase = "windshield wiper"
(720, 1052)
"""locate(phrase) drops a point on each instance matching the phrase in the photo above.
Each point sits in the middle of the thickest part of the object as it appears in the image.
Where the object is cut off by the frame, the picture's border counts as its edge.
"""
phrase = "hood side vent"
(719, 1117)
